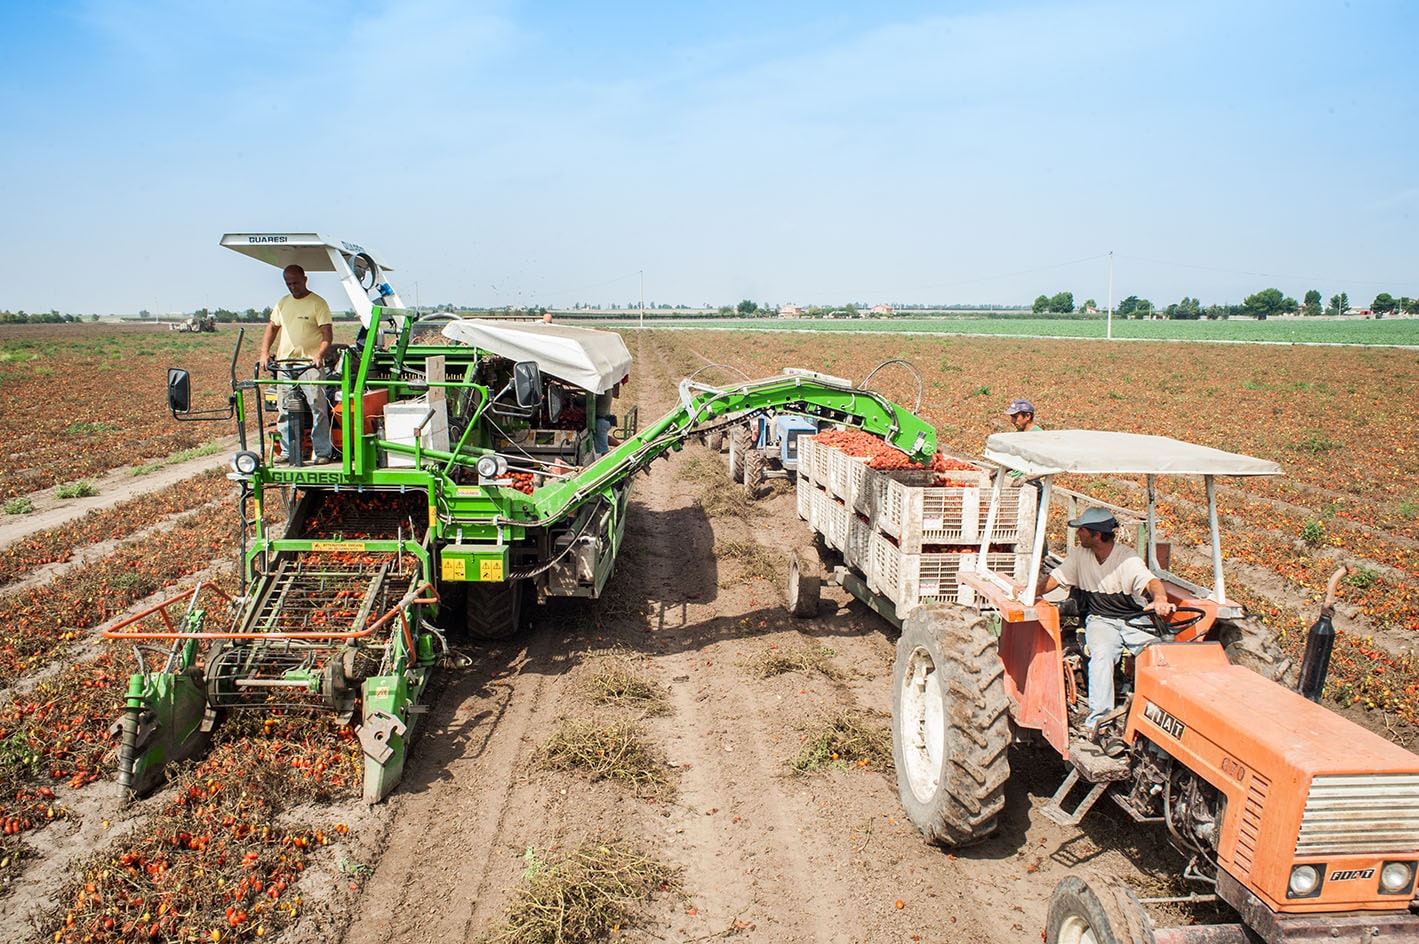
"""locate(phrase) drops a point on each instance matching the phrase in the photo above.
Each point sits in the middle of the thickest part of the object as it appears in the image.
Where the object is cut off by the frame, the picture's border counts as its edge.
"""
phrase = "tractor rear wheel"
(1252, 644)
(495, 610)
(714, 440)
(950, 725)
(754, 473)
(738, 446)
(805, 582)
(1097, 911)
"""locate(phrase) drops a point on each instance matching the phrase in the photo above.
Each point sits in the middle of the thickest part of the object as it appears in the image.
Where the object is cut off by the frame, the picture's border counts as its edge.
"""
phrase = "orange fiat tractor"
(1304, 823)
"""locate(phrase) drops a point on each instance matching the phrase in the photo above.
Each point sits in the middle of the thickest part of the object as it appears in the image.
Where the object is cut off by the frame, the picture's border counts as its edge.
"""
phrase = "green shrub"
(19, 506)
(81, 489)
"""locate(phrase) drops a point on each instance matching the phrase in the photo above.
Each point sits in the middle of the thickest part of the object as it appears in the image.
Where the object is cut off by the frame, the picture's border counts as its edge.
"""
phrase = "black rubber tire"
(754, 474)
(495, 611)
(738, 446)
(1096, 911)
(1251, 643)
(714, 440)
(805, 582)
(950, 725)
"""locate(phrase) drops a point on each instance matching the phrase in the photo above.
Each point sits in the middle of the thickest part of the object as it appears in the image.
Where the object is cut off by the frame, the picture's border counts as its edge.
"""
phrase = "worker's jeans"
(1106, 637)
(317, 400)
(601, 435)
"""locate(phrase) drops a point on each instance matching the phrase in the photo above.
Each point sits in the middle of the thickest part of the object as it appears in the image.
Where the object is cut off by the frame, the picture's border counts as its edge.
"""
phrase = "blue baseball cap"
(1096, 519)
(1020, 406)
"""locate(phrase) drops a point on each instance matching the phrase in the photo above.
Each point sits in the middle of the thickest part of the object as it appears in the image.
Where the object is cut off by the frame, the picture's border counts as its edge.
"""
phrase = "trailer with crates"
(899, 538)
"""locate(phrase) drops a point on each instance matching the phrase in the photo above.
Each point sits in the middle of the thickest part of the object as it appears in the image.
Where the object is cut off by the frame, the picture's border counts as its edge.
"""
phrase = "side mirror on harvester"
(527, 384)
(179, 391)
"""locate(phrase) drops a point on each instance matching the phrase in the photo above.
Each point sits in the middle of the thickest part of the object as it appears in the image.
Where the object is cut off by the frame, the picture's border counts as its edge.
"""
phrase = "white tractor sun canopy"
(1093, 452)
(361, 272)
(590, 359)
(1044, 454)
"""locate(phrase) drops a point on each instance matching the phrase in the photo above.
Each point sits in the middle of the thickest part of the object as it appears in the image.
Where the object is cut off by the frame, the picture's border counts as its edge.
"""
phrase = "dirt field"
(761, 852)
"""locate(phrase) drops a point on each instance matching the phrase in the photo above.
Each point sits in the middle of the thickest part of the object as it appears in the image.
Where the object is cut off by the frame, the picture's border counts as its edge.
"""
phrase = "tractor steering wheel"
(1151, 622)
(290, 367)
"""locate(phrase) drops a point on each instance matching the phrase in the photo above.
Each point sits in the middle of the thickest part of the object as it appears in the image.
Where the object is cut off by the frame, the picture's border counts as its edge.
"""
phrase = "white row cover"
(1047, 452)
(590, 359)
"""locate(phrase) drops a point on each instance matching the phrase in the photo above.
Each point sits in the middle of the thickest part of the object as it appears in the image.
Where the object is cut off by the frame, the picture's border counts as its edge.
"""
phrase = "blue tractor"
(766, 447)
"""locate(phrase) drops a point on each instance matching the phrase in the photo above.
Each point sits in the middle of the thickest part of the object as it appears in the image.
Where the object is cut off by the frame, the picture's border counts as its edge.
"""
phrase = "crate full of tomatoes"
(943, 503)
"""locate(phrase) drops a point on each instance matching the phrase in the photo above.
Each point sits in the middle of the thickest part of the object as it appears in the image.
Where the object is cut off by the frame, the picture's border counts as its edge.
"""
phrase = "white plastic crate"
(921, 516)
(857, 552)
(909, 580)
(830, 519)
(813, 461)
(845, 476)
(803, 493)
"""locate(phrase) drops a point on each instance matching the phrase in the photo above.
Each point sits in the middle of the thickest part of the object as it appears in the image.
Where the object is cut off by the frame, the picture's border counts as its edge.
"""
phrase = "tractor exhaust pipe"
(1319, 641)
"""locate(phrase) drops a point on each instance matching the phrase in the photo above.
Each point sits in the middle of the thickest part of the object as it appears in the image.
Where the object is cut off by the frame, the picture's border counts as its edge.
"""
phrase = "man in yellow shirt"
(300, 328)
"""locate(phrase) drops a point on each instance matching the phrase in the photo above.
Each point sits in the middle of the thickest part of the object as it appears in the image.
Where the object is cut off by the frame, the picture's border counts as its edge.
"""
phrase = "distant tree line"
(1262, 305)
(49, 317)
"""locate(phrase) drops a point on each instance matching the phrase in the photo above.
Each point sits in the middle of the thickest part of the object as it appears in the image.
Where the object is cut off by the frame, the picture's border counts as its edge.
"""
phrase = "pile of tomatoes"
(883, 457)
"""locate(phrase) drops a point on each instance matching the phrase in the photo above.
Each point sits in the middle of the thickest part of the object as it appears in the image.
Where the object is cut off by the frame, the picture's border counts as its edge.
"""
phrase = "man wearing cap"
(1112, 580)
(1022, 415)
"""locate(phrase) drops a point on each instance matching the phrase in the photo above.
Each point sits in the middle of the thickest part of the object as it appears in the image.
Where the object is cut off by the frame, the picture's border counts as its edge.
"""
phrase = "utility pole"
(642, 299)
(1110, 329)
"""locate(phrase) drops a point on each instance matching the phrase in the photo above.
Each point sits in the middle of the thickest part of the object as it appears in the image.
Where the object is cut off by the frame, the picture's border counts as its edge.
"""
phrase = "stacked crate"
(909, 538)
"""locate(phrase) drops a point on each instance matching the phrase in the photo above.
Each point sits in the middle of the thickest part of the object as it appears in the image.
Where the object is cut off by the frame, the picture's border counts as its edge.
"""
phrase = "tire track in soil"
(783, 857)
(765, 871)
(448, 816)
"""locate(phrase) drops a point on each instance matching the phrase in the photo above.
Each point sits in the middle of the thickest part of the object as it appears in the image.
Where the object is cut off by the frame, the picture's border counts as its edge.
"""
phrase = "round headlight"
(246, 462)
(1396, 877)
(1305, 879)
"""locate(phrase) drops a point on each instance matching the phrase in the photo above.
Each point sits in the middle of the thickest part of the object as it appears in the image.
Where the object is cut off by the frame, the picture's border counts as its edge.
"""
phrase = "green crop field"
(1397, 331)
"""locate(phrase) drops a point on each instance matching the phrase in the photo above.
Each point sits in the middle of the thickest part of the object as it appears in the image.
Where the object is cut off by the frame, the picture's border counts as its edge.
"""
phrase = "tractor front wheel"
(738, 447)
(950, 725)
(1097, 911)
(754, 473)
(1252, 644)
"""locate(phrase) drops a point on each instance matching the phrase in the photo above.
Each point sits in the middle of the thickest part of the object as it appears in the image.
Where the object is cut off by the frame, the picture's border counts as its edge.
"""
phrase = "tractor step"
(1093, 766)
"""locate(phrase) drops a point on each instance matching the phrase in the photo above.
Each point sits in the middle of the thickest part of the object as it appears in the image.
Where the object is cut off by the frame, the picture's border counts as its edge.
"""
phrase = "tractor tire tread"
(969, 792)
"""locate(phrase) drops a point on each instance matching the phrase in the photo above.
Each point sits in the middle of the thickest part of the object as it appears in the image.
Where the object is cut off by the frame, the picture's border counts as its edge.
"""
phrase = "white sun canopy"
(590, 359)
(1047, 452)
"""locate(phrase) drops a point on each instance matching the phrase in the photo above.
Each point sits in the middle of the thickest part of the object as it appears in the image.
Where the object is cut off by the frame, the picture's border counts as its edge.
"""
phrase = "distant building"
(790, 311)
(880, 310)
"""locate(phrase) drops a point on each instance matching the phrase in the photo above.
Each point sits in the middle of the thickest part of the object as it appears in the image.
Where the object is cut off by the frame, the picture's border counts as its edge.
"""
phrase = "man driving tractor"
(1112, 580)
(301, 329)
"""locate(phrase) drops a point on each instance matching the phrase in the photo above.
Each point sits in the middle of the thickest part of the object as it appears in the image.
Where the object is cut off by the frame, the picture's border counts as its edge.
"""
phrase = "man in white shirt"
(1113, 580)
(300, 328)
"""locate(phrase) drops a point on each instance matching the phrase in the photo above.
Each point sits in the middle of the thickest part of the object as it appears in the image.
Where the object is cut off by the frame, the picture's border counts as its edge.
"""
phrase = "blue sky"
(547, 153)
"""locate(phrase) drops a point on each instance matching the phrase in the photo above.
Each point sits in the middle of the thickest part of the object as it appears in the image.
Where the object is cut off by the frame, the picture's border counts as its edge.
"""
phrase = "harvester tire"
(495, 610)
(1099, 910)
(754, 474)
(738, 446)
(805, 582)
(950, 725)
(714, 440)
(1252, 644)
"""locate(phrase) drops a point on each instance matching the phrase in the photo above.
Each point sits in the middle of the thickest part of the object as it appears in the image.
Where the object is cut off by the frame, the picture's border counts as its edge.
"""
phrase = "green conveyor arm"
(802, 393)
